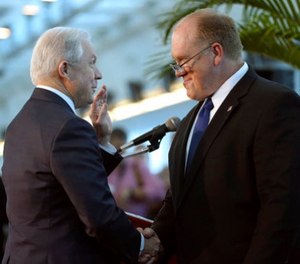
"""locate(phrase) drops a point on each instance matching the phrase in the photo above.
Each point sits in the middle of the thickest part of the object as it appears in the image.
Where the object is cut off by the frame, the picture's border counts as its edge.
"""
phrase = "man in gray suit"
(238, 202)
(59, 204)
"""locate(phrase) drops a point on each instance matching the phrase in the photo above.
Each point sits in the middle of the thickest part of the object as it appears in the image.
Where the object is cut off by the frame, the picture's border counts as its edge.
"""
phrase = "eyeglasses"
(178, 67)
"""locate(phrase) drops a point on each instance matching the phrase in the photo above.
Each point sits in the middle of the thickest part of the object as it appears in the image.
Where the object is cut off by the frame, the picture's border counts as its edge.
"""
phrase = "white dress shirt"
(60, 94)
(218, 98)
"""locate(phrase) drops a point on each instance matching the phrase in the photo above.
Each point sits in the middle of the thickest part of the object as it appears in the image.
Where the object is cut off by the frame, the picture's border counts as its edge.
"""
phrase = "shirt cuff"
(142, 243)
(110, 148)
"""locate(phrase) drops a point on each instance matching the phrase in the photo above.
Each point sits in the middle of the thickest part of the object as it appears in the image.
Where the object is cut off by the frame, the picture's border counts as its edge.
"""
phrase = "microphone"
(157, 133)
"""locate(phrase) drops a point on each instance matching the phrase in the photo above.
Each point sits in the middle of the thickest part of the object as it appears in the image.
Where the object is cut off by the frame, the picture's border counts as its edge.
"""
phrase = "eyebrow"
(174, 60)
(179, 59)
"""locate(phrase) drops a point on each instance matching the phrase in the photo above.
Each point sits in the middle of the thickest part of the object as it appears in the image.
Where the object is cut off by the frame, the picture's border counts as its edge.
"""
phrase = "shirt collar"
(60, 94)
(227, 86)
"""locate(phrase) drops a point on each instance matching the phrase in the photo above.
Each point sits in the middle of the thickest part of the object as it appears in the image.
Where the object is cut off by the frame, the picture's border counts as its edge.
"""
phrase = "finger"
(99, 99)
(144, 258)
(102, 94)
(102, 112)
(151, 261)
(148, 232)
(140, 229)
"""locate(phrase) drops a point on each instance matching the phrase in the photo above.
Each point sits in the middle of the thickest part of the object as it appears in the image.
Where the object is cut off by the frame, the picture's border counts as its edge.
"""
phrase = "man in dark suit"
(59, 204)
(239, 200)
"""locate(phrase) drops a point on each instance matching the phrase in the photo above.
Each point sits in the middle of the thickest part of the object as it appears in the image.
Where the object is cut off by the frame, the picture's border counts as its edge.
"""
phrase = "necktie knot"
(208, 105)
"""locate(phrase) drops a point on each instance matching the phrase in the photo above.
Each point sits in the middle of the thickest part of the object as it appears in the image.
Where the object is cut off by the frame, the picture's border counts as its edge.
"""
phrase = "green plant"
(268, 27)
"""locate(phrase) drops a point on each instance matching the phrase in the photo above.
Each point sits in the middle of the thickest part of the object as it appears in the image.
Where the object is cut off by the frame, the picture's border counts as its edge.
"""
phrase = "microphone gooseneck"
(155, 135)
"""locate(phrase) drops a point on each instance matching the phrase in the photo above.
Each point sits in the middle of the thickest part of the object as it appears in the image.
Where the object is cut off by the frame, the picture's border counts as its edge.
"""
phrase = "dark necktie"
(199, 129)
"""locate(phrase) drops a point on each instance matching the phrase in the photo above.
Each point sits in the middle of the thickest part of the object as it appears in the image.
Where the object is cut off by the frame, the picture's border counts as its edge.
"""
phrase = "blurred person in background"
(59, 205)
(134, 187)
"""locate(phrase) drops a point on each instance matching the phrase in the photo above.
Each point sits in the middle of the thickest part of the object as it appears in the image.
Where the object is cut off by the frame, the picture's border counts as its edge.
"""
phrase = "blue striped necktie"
(199, 129)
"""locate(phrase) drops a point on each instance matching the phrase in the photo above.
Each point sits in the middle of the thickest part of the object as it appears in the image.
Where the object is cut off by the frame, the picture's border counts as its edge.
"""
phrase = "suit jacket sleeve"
(77, 163)
(276, 157)
(3, 216)
(110, 161)
(164, 226)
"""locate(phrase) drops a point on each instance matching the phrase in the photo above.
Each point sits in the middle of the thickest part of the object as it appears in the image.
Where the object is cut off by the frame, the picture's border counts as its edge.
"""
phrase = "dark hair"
(119, 133)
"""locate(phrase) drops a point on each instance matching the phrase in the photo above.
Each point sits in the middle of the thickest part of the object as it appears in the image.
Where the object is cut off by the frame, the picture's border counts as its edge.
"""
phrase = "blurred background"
(126, 38)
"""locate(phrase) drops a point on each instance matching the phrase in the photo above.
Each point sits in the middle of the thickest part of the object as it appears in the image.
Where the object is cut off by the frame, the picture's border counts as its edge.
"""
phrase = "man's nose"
(180, 73)
(98, 74)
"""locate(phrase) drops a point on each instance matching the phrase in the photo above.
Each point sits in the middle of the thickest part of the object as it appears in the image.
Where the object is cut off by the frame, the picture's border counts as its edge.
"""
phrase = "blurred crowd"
(134, 187)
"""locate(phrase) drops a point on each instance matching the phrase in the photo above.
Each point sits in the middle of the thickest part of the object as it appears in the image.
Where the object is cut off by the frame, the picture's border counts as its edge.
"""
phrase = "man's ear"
(63, 69)
(218, 52)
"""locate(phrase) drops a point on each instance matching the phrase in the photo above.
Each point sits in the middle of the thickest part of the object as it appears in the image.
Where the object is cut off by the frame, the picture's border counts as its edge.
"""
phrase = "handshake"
(152, 246)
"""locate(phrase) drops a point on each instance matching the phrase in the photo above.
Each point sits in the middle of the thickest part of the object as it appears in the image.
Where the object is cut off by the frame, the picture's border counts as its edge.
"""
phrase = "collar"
(60, 94)
(220, 95)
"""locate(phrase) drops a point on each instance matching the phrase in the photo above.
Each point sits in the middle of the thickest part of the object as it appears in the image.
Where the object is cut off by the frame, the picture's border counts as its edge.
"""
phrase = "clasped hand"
(152, 247)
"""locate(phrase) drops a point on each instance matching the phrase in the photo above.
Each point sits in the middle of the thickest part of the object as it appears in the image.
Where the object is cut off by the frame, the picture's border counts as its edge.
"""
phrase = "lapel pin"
(229, 108)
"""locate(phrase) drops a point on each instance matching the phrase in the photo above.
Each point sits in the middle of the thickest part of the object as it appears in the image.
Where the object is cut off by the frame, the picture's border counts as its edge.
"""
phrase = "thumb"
(148, 232)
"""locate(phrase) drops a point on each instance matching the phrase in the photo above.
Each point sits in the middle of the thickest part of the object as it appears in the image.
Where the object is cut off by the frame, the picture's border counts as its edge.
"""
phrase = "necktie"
(199, 129)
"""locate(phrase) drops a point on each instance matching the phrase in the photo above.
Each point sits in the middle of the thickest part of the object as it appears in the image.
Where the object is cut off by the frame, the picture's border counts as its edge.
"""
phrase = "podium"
(143, 222)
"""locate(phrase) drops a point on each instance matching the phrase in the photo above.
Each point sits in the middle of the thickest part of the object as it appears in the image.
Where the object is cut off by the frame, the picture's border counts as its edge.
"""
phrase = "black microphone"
(156, 133)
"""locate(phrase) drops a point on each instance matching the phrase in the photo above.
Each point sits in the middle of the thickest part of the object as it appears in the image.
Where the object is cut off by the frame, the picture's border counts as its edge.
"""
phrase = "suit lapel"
(179, 152)
(222, 116)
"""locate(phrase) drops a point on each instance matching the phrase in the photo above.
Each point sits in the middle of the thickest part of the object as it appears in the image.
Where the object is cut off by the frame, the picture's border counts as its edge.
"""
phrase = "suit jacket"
(240, 202)
(59, 205)
(3, 217)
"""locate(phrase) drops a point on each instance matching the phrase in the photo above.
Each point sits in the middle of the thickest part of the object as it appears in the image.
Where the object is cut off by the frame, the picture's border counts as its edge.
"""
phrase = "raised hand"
(100, 117)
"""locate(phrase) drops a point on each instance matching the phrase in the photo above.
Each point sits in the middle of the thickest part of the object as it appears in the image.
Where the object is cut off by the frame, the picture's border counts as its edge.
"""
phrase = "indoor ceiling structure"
(123, 31)
(22, 21)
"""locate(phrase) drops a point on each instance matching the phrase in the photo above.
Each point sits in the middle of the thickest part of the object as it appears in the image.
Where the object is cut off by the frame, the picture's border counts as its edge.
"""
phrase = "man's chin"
(190, 94)
(90, 100)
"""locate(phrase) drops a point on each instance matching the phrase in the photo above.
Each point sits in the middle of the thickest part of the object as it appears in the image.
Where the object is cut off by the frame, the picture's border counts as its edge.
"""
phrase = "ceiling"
(106, 17)
(118, 27)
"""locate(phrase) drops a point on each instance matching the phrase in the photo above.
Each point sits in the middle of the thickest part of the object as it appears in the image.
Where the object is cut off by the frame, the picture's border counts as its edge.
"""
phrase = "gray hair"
(56, 44)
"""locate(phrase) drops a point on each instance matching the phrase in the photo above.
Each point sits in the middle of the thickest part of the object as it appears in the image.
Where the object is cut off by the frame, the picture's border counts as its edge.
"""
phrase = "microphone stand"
(142, 151)
(155, 142)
